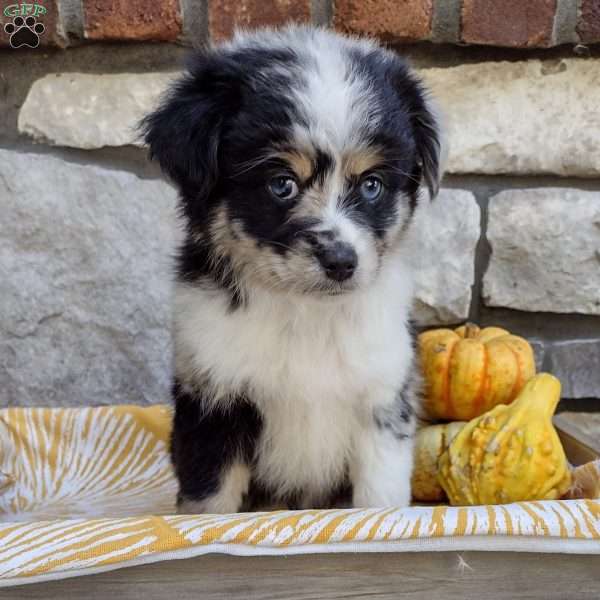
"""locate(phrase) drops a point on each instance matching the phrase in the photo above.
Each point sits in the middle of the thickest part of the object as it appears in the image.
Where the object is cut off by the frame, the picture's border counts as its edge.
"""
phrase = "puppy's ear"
(183, 133)
(426, 126)
(428, 137)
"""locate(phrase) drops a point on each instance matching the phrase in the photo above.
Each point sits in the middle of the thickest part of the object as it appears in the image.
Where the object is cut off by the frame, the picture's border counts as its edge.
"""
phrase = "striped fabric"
(85, 462)
(78, 487)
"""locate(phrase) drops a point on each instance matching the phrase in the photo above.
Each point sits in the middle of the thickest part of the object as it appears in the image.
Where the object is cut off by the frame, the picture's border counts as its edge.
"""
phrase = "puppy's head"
(299, 156)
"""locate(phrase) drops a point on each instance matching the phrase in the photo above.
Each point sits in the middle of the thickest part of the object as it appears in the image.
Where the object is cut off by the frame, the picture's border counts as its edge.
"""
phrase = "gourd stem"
(540, 395)
(471, 330)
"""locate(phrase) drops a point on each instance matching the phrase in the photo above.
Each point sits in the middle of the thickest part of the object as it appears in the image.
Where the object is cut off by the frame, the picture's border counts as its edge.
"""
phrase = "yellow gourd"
(470, 370)
(509, 454)
(430, 443)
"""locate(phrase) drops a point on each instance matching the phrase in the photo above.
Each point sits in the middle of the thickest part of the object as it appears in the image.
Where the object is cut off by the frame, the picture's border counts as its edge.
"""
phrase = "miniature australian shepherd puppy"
(299, 156)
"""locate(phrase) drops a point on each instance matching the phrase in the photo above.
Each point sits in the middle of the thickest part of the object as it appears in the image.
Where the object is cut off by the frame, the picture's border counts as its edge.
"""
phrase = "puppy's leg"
(225, 497)
(211, 451)
(381, 474)
(383, 455)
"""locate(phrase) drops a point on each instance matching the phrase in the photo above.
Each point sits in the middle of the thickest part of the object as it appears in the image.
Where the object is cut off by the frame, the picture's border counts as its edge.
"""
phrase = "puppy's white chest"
(315, 372)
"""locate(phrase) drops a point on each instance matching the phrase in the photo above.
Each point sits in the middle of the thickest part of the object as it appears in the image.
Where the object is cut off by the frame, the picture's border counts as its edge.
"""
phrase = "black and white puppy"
(299, 155)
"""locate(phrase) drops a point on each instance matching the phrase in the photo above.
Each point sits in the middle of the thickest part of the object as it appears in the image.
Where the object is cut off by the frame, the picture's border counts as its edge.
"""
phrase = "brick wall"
(506, 23)
(513, 239)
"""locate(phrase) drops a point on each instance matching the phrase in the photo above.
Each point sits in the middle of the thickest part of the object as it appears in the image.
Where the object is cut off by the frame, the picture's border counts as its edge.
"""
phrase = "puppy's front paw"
(217, 504)
(191, 507)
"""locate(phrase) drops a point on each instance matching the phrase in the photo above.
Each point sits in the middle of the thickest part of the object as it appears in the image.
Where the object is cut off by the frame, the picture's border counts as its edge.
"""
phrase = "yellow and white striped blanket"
(91, 489)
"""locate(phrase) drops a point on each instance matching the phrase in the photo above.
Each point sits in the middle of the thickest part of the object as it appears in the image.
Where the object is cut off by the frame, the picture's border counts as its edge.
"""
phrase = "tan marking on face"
(300, 162)
(361, 160)
(229, 239)
(255, 264)
(354, 163)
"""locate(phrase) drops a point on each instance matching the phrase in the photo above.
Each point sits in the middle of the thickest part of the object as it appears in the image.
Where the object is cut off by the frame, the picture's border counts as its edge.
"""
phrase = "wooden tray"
(579, 446)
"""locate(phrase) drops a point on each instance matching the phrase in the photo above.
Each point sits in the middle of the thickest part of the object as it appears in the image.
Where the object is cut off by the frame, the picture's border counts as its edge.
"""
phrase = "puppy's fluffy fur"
(300, 156)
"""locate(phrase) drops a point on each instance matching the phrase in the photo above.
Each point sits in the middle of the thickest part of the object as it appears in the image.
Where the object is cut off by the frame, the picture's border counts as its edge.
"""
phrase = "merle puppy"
(300, 156)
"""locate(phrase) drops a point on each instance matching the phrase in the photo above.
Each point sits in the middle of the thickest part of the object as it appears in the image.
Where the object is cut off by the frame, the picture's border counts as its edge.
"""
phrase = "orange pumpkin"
(470, 370)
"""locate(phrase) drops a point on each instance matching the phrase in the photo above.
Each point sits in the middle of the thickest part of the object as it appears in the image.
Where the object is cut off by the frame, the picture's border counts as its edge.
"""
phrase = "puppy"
(299, 156)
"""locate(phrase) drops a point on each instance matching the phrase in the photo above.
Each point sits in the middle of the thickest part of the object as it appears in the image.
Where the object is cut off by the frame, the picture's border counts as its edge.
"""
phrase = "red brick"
(224, 16)
(51, 35)
(390, 20)
(513, 23)
(588, 26)
(154, 20)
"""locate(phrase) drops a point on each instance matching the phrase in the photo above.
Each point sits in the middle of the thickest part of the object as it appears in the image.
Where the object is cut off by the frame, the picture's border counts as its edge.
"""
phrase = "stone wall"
(88, 225)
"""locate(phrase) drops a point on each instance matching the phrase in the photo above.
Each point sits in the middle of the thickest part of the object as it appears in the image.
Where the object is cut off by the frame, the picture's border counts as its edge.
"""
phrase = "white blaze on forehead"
(334, 188)
(335, 217)
(328, 87)
(333, 97)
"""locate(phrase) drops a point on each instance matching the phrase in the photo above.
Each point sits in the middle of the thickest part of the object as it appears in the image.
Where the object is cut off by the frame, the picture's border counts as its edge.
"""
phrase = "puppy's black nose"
(339, 260)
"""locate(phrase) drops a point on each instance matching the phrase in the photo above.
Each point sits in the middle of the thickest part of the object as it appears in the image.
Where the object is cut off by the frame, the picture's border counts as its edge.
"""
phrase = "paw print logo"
(24, 32)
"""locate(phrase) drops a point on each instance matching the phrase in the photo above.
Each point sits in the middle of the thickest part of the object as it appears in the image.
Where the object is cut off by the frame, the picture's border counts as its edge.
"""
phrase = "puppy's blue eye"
(283, 187)
(371, 188)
